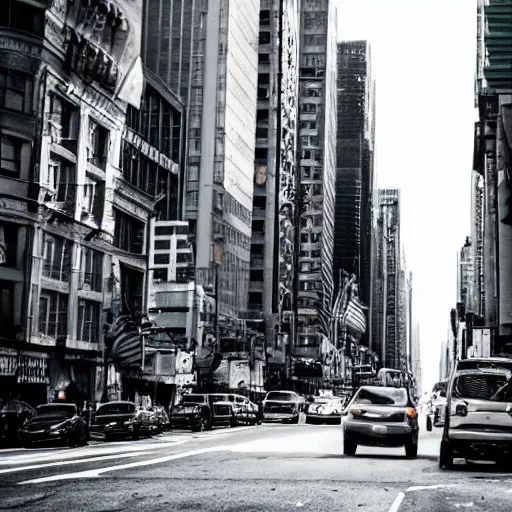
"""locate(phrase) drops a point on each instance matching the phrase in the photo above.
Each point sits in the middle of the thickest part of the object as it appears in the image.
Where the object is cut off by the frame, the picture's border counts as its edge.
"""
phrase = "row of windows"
(53, 317)
(16, 90)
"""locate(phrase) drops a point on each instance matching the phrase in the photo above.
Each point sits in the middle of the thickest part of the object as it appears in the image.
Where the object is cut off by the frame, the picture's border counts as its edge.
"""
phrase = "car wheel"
(411, 449)
(429, 423)
(349, 446)
(136, 434)
(233, 423)
(446, 456)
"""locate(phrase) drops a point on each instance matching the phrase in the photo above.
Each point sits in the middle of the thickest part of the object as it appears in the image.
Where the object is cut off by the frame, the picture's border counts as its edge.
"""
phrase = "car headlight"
(129, 422)
(60, 426)
(458, 408)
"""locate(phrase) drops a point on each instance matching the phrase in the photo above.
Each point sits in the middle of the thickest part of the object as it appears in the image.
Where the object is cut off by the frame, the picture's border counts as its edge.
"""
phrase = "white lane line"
(77, 461)
(96, 472)
(91, 451)
(401, 495)
(398, 501)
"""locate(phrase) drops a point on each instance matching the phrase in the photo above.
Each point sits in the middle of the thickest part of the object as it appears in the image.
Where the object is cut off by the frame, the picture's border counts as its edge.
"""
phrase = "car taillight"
(458, 409)
(356, 412)
(411, 412)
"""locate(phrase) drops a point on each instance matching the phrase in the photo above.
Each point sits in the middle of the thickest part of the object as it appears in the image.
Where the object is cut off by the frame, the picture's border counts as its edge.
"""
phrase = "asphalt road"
(265, 468)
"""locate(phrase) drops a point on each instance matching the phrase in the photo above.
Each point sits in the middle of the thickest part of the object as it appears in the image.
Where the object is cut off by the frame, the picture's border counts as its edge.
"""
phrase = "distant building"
(317, 159)
(355, 168)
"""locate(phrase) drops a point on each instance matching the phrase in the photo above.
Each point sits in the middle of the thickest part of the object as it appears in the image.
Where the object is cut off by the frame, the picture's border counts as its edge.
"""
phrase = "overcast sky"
(424, 59)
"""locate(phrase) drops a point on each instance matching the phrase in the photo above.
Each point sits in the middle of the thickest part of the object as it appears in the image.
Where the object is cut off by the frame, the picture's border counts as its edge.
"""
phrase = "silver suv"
(478, 415)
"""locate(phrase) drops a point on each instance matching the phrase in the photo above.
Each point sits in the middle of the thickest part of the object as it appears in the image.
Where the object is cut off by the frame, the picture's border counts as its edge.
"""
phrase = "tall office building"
(354, 167)
(385, 309)
(317, 156)
(221, 146)
(493, 139)
(273, 242)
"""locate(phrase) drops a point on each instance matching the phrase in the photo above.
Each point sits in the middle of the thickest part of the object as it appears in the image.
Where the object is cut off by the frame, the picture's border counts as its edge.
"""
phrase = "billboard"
(239, 374)
(481, 342)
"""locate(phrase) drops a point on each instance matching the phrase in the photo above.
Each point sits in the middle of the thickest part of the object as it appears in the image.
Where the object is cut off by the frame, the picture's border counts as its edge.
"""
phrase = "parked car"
(59, 422)
(283, 406)
(160, 419)
(437, 405)
(13, 413)
(478, 423)
(194, 412)
(324, 410)
(119, 419)
(380, 416)
(244, 410)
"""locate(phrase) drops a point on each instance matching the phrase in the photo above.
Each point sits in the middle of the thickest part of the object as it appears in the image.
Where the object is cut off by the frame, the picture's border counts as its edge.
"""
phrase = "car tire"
(411, 449)
(349, 446)
(136, 434)
(295, 421)
(429, 423)
(445, 456)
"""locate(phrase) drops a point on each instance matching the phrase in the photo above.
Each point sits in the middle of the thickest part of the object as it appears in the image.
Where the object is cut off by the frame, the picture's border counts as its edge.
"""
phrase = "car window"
(56, 410)
(481, 386)
(126, 408)
(382, 396)
(282, 397)
(193, 399)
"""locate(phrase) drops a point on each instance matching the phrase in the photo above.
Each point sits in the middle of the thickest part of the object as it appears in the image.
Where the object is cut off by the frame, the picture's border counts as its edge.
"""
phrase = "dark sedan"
(381, 416)
(119, 419)
(13, 415)
(55, 423)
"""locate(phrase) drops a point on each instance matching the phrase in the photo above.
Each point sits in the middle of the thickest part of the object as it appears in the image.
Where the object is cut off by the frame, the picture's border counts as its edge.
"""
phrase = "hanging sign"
(8, 362)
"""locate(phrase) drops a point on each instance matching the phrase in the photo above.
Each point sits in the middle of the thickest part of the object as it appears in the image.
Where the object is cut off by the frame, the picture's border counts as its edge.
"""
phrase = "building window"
(265, 17)
(192, 199)
(56, 258)
(24, 16)
(53, 314)
(6, 304)
(15, 90)
(64, 122)
(129, 233)
(61, 178)
(97, 151)
(263, 58)
(10, 156)
(91, 269)
(89, 321)
(264, 38)
(9, 240)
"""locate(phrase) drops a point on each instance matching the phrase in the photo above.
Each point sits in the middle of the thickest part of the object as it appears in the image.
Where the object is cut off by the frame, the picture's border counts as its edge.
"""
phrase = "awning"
(126, 350)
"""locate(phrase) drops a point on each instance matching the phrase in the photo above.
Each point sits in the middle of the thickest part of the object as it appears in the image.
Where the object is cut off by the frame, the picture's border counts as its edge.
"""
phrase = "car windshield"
(193, 399)
(56, 410)
(496, 387)
(382, 396)
(124, 408)
(222, 398)
(281, 397)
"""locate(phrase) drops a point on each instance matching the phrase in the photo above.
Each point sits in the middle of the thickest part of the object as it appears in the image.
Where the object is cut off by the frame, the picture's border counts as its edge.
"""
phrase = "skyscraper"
(386, 327)
(354, 166)
(317, 156)
(274, 220)
(221, 146)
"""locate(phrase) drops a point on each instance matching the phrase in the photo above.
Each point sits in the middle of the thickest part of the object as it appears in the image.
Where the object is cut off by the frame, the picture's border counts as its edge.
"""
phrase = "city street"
(270, 467)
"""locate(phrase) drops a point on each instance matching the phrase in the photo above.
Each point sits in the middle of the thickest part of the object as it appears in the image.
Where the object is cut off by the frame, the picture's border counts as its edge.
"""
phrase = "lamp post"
(217, 261)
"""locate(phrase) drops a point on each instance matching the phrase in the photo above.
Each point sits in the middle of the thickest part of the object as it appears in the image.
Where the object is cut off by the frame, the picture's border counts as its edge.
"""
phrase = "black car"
(57, 422)
(118, 419)
(381, 416)
(13, 414)
(194, 413)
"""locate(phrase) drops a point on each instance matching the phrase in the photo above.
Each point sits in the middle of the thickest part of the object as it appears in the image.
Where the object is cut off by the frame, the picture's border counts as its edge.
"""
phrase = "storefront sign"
(33, 370)
(12, 204)
(150, 151)
(8, 362)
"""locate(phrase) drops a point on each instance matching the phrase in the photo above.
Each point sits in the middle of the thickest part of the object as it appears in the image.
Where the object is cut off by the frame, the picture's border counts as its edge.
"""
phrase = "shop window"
(97, 151)
(89, 320)
(53, 314)
(15, 90)
(56, 258)
(129, 232)
(24, 16)
(10, 156)
(91, 269)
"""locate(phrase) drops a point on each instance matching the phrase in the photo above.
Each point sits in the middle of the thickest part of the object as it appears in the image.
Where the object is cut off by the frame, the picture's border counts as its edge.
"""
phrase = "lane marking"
(90, 451)
(398, 501)
(77, 461)
(427, 487)
(93, 473)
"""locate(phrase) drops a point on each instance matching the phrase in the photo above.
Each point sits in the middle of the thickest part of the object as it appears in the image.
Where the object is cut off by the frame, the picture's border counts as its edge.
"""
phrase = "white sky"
(423, 59)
